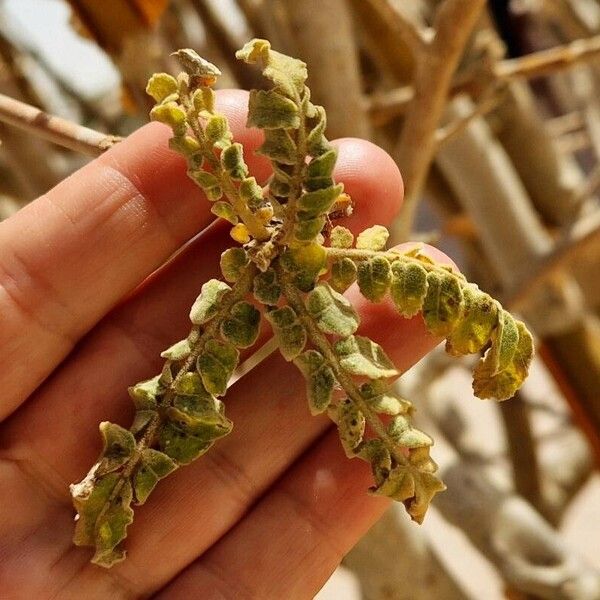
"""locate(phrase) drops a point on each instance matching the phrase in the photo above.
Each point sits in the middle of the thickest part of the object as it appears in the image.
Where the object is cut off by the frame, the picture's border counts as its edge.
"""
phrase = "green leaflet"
(170, 114)
(343, 274)
(104, 508)
(216, 364)
(224, 210)
(351, 426)
(319, 171)
(118, 447)
(177, 351)
(153, 466)
(187, 435)
(332, 312)
(209, 301)
(480, 316)
(161, 85)
(414, 484)
(320, 380)
(374, 278)
(316, 142)
(495, 378)
(408, 287)
(241, 326)
(208, 182)
(146, 393)
(251, 192)
(217, 131)
(401, 431)
(288, 74)
(443, 302)
(361, 356)
(373, 238)
(341, 237)
(289, 331)
(279, 146)
(232, 161)
(314, 204)
(233, 262)
(270, 110)
(306, 262)
(266, 287)
(380, 399)
(203, 100)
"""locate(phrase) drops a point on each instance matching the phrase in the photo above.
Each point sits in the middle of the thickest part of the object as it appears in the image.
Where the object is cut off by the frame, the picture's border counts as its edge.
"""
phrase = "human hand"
(272, 508)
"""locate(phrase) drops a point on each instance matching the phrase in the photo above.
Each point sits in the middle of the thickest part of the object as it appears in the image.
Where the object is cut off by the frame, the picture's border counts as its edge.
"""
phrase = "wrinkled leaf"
(374, 278)
(266, 287)
(320, 380)
(288, 74)
(146, 393)
(241, 326)
(271, 110)
(361, 356)
(232, 160)
(161, 85)
(480, 316)
(216, 364)
(104, 512)
(313, 204)
(401, 431)
(373, 238)
(351, 425)
(408, 287)
(233, 262)
(153, 466)
(443, 302)
(341, 237)
(343, 274)
(118, 447)
(490, 379)
(177, 351)
(289, 331)
(209, 301)
(380, 399)
(332, 312)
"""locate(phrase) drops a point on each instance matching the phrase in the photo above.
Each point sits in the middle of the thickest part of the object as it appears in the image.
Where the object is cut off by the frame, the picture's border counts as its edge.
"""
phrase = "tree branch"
(54, 129)
(453, 25)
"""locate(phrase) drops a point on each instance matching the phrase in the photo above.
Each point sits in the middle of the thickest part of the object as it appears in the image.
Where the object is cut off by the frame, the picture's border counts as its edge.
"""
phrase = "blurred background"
(492, 112)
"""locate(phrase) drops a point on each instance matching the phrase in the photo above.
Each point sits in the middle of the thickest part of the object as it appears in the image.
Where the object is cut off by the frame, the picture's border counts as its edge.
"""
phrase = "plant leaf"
(266, 287)
(233, 262)
(332, 312)
(361, 356)
(408, 287)
(208, 302)
(118, 447)
(271, 110)
(351, 425)
(380, 399)
(289, 331)
(374, 278)
(241, 326)
(216, 364)
(443, 302)
(178, 351)
(493, 377)
(373, 238)
(153, 466)
(343, 274)
(473, 331)
(320, 380)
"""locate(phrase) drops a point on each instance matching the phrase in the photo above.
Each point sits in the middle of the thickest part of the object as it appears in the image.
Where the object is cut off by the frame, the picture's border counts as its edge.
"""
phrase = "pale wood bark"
(453, 25)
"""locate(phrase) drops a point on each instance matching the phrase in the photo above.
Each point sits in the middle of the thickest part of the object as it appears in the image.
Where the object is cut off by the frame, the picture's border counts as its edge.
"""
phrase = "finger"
(71, 255)
(292, 540)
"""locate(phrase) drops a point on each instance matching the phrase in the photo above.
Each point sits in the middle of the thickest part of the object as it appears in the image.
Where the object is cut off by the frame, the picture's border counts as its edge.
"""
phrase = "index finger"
(67, 258)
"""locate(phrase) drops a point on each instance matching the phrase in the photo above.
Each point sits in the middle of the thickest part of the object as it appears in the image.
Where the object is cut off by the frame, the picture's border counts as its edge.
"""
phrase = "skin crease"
(78, 274)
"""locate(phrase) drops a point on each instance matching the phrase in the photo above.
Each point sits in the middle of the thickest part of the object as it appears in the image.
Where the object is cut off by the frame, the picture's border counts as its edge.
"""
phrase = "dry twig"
(54, 129)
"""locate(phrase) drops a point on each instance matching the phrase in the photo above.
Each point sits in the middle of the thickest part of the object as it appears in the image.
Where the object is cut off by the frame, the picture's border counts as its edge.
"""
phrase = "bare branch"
(548, 61)
(54, 129)
(583, 234)
(413, 34)
(453, 24)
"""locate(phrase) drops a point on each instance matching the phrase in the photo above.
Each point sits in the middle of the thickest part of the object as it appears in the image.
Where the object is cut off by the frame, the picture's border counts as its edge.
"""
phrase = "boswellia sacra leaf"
(292, 259)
